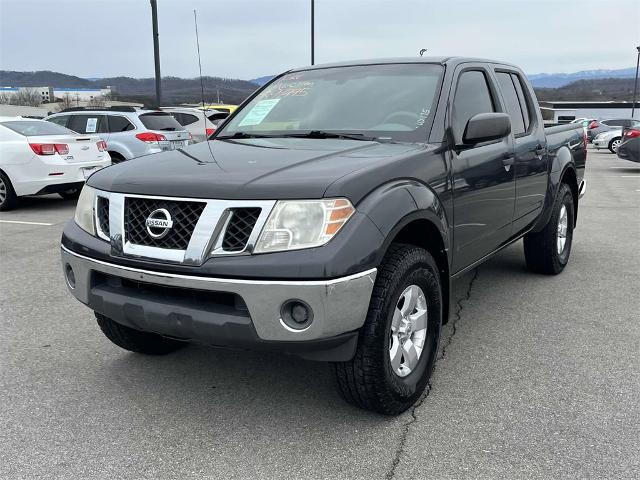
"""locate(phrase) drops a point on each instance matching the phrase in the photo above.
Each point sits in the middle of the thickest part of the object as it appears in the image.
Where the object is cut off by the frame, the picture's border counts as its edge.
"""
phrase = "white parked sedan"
(38, 157)
(610, 139)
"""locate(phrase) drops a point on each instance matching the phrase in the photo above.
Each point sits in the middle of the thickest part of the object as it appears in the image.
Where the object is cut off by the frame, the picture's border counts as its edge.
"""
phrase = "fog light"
(71, 277)
(296, 314)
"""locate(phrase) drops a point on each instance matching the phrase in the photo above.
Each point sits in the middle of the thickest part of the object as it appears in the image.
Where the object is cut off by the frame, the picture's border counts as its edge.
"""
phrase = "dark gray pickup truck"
(328, 217)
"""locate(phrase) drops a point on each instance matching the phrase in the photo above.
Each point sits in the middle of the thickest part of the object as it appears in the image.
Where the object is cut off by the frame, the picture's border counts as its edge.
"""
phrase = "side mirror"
(486, 126)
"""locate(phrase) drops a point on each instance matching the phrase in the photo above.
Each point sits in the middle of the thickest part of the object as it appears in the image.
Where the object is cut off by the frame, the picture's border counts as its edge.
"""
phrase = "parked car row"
(38, 157)
(57, 154)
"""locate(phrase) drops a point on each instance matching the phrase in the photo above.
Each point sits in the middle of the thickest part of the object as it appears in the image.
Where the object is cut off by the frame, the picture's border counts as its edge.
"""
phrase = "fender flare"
(562, 161)
(395, 204)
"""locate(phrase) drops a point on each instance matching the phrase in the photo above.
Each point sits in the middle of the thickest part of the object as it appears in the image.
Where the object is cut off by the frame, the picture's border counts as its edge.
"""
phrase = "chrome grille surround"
(206, 239)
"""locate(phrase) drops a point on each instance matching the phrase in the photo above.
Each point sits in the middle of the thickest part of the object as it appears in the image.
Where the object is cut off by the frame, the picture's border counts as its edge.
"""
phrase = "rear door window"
(511, 102)
(472, 97)
(188, 119)
(88, 124)
(160, 121)
(525, 100)
(118, 123)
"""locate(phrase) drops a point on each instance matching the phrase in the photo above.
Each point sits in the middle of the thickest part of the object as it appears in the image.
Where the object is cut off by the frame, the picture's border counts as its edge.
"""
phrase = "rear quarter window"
(35, 128)
(160, 121)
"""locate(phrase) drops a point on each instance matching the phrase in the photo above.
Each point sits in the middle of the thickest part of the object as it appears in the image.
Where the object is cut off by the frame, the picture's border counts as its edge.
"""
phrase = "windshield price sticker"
(258, 113)
(91, 125)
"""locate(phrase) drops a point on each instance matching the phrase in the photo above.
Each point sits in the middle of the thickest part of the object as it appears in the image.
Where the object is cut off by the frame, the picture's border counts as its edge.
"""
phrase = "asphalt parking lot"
(539, 377)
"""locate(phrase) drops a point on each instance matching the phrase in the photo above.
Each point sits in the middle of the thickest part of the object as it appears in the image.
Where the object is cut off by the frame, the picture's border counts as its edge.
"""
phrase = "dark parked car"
(630, 147)
(328, 216)
(598, 126)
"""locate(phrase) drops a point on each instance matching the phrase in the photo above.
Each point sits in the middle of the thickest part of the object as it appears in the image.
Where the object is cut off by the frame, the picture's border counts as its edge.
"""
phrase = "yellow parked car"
(221, 107)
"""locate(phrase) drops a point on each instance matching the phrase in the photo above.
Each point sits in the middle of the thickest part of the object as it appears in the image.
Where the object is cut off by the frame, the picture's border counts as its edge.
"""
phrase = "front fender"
(394, 205)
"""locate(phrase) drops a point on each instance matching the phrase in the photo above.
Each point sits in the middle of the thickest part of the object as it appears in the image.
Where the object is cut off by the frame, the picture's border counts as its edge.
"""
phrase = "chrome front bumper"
(339, 305)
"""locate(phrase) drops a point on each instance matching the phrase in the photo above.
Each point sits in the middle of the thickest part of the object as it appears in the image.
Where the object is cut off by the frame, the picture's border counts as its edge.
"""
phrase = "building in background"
(82, 94)
(566, 111)
(46, 93)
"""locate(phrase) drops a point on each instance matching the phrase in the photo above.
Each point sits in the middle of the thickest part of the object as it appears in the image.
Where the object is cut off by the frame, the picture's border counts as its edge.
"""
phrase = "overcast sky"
(251, 38)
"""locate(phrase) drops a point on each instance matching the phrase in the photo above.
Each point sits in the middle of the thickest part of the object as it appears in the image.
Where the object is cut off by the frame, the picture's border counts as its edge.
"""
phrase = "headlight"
(84, 210)
(296, 224)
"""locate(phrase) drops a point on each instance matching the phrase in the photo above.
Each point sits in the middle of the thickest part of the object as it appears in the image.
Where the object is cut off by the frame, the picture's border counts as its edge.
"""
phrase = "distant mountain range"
(174, 90)
(262, 80)
(555, 80)
(585, 85)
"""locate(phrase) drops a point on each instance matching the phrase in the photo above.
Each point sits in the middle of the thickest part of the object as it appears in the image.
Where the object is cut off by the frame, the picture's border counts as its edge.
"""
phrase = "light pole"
(156, 47)
(312, 32)
(635, 84)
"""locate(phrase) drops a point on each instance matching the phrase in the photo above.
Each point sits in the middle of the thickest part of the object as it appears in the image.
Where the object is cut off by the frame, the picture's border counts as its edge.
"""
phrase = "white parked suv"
(129, 132)
(38, 157)
(196, 121)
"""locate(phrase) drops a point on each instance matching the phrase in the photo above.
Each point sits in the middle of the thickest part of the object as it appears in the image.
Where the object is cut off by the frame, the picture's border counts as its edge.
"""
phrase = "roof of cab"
(451, 61)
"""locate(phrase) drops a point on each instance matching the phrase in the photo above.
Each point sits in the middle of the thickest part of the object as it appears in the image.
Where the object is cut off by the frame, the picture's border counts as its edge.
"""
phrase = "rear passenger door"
(483, 177)
(529, 148)
(89, 124)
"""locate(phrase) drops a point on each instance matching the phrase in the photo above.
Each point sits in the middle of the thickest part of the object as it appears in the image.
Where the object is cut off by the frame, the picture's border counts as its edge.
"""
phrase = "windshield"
(394, 101)
(34, 128)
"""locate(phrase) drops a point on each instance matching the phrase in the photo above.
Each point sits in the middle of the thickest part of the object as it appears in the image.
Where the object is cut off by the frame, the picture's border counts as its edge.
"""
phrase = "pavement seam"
(407, 425)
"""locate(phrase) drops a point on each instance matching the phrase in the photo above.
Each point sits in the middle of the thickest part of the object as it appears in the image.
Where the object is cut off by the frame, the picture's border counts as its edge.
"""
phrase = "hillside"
(187, 90)
(174, 89)
(602, 89)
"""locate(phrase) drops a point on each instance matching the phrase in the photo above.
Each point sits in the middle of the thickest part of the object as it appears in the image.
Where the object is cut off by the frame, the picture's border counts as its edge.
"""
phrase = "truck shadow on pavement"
(220, 383)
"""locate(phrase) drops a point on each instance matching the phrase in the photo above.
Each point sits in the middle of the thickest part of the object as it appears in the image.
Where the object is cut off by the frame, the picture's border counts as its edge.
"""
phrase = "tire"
(71, 194)
(116, 157)
(614, 144)
(8, 197)
(135, 340)
(543, 251)
(370, 380)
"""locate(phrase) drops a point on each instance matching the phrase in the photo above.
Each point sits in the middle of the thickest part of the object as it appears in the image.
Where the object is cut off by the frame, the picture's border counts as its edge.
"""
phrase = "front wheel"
(548, 251)
(135, 340)
(398, 343)
(71, 194)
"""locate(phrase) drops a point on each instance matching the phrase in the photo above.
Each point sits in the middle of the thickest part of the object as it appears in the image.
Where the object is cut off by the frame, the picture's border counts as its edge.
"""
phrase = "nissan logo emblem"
(159, 223)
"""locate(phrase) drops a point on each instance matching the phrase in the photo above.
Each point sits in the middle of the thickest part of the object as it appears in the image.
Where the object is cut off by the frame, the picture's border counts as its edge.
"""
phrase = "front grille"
(102, 214)
(239, 229)
(184, 215)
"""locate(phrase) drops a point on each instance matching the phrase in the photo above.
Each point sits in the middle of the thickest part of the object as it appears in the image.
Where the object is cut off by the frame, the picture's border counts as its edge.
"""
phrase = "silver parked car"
(128, 132)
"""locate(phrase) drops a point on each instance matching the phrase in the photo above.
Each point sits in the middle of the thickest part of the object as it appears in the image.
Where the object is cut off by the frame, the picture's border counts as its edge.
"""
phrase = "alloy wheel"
(563, 222)
(408, 331)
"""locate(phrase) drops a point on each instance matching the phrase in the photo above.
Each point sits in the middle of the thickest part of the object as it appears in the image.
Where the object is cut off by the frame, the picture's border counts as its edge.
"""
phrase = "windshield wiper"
(323, 134)
(242, 135)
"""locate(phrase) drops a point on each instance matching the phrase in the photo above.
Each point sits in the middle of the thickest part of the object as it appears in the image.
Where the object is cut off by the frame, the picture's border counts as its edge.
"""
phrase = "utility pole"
(635, 84)
(313, 32)
(156, 48)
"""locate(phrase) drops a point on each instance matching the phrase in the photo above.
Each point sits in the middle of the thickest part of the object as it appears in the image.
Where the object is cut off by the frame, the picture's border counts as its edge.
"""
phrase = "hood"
(250, 169)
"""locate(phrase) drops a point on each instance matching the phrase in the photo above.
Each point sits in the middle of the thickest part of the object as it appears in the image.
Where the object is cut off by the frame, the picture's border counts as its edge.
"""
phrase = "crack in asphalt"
(405, 428)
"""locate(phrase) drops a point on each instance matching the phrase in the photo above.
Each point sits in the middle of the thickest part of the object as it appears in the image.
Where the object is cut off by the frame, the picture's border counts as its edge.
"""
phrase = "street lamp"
(635, 84)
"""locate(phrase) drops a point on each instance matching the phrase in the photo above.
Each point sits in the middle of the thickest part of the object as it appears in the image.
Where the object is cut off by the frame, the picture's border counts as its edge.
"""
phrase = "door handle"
(508, 160)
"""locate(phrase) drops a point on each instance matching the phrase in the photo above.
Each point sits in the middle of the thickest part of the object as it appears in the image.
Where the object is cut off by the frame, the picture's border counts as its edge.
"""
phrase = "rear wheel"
(8, 197)
(548, 251)
(398, 343)
(71, 194)
(614, 144)
(116, 157)
(135, 340)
